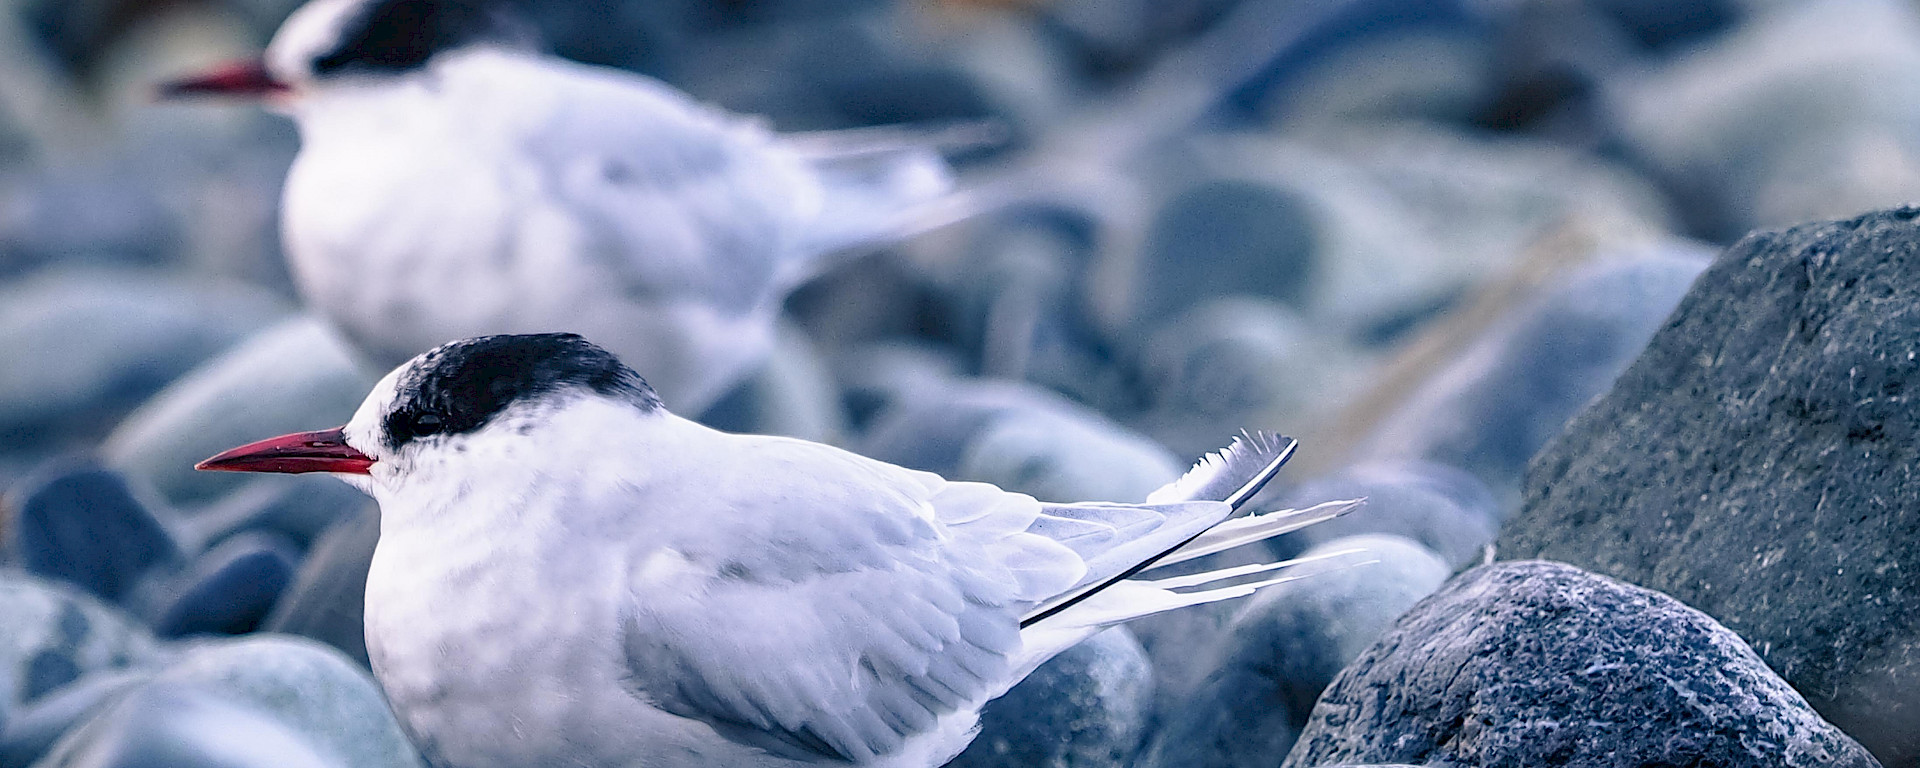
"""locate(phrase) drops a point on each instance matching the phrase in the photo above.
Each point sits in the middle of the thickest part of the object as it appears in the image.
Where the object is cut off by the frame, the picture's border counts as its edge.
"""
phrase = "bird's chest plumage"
(500, 654)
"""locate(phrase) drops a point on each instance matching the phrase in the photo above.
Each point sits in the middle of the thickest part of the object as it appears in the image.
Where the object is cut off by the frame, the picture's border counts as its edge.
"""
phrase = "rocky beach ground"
(1606, 306)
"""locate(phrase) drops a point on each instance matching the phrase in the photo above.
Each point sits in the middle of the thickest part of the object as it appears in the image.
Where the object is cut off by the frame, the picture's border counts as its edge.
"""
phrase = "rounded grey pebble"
(1284, 646)
(1085, 708)
(1445, 509)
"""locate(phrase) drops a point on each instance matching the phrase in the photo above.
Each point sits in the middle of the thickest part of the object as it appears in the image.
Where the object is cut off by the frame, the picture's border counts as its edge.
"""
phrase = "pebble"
(54, 634)
(229, 589)
(80, 347)
(1540, 663)
(264, 700)
(1284, 646)
(1237, 363)
(1715, 124)
(1445, 509)
(169, 724)
(1023, 439)
(1496, 403)
(293, 377)
(1085, 708)
(792, 394)
(79, 522)
(328, 597)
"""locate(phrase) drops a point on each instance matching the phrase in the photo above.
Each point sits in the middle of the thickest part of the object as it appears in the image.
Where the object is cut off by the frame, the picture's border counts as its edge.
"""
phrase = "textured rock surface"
(1537, 663)
(1757, 463)
(1084, 708)
(1283, 648)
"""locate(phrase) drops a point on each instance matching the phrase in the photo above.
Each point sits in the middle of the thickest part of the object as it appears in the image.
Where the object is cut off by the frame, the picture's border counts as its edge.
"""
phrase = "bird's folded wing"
(833, 613)
(678, 198)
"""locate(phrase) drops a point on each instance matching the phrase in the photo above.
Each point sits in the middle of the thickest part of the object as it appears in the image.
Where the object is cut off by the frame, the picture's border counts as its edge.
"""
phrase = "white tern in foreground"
(570, 575)
(454, 182)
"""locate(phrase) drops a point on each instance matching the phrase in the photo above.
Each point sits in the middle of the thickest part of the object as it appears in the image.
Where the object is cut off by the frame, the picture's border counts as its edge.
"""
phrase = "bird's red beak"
(322, 451)
(240, 79)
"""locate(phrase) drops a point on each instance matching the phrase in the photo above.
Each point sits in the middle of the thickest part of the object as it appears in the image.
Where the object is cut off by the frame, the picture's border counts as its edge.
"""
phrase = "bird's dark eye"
(426, 424)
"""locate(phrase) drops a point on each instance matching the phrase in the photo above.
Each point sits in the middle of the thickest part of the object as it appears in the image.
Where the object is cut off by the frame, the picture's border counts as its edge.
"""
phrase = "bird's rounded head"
(327, 41)
(477, 403)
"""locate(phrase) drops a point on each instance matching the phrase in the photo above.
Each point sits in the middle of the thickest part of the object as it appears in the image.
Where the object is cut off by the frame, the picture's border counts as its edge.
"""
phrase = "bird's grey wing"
(675, 197)
(829, 614)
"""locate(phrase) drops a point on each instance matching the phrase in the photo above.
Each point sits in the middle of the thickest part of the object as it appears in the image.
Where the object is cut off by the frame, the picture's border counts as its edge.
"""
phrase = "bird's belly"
(492, 664)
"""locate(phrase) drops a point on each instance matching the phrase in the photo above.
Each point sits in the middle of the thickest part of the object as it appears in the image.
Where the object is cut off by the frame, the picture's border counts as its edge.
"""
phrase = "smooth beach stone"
(173, 725)
(79, 522)
(1238, 362)
(54, 634)
(293, 377)
(299, 698)
(1808, 111)
(327, 600)
(1445, 509)
(301, 508)
(1021, 437)
(1284, 645)
(1506, 395)
(230, 589)
(39, 725)
(79, 348)
(1086, 707)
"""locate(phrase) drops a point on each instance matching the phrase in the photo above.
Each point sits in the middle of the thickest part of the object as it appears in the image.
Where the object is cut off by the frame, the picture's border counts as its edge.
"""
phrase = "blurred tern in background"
(453, 181)
(568, 574)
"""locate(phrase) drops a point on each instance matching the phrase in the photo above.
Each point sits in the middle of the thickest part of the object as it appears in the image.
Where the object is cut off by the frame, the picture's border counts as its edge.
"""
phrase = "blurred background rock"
(1421, 235)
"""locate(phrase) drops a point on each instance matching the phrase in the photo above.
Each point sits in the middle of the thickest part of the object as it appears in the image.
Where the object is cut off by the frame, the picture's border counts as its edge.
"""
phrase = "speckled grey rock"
(1757, 463)
(79, 522)
(1086, 708)
(1449, 511)
(258, 701)
(79, 348)
(1538, 663)
(53, 634)
(328, 596)
(295, 376)
(1283, 647)
(1493, 407)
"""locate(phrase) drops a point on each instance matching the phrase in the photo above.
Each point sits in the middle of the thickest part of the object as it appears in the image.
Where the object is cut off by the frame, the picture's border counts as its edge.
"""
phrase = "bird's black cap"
(459, 387)
(391, 36)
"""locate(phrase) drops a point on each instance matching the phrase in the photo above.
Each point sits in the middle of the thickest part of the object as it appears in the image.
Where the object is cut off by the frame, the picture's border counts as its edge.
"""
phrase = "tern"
(570, 574)
(453, 181)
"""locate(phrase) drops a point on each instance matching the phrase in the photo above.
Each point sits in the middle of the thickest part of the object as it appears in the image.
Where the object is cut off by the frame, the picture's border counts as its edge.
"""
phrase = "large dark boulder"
(1757, 463)
(1536, 663)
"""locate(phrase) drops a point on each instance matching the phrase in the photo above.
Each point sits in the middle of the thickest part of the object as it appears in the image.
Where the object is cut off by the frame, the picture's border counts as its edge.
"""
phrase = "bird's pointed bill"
(243, 79)
(323, 451)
